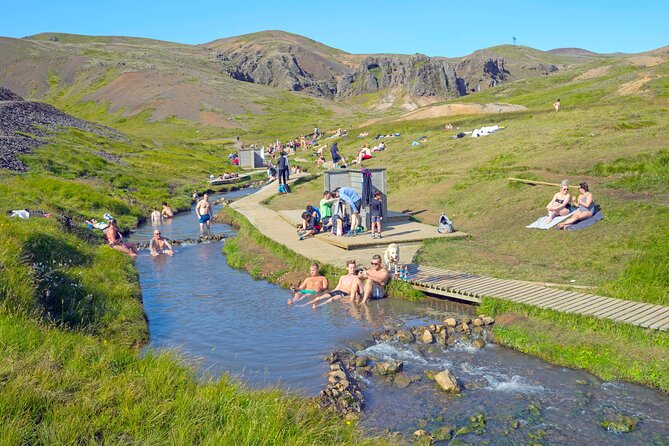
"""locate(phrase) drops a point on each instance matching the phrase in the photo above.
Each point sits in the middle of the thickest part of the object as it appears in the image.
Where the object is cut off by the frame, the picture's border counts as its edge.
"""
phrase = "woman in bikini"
(586, 206)
(559, 204)
(115, 240)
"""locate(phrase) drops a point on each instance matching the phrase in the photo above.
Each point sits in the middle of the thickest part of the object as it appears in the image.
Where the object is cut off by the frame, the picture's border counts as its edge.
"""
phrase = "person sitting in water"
(364, 154)
(559, 204)
(156, 216)
(586, 206)
(167, 211)
(115, 240)
(375, 280)
(313, 284)
(349, 286)
(158, 245)
(310, 226)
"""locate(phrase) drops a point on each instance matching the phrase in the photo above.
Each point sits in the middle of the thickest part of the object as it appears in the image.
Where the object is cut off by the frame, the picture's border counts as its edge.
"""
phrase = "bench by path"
(472, 287)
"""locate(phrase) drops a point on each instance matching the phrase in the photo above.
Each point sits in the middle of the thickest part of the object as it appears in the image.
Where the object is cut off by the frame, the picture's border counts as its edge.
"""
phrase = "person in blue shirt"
(353, 199)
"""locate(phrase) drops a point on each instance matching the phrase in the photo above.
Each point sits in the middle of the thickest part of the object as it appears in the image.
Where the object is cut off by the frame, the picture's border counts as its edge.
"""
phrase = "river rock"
(464, 328)
(450, 322)
(442, 337)
(404, 380)
(488, 320)
(477, 322)
(466, 320)
(389, 367)
(447, 381)
(443, 433)
(430, 374)
(427, 337)
(438, 328)
(361, 361)
(405, 336)
(478, 343)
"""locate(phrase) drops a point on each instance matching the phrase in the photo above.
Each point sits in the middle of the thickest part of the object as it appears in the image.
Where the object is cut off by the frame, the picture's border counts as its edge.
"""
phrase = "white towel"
(541, 222)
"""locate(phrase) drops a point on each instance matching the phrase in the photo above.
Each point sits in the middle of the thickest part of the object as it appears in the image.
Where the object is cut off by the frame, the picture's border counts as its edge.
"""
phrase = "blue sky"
(436, 28)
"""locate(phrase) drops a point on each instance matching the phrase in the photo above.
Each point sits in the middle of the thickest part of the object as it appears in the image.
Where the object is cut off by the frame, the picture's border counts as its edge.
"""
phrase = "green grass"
(607, 349)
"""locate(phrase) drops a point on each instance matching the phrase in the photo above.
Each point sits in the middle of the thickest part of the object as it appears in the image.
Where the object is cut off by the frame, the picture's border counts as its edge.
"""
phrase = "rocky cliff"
(25, 125)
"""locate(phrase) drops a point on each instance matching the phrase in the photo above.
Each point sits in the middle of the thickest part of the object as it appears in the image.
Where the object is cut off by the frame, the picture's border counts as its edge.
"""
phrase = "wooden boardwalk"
(472, 288)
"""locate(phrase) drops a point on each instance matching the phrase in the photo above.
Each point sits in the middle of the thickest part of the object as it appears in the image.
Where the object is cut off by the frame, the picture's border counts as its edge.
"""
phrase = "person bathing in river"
(167, 211)
(156, 217)
(115, 240)
(204, 213)
(349, 286)
(310, 286)
(158, 245)
(375, 280)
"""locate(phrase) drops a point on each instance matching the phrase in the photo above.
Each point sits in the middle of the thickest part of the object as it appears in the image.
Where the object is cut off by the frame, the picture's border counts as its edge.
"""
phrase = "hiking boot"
(378, 236)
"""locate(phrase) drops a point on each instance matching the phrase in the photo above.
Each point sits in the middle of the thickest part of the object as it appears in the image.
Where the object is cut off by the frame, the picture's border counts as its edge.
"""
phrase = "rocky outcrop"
(25, 125)
(447, 381)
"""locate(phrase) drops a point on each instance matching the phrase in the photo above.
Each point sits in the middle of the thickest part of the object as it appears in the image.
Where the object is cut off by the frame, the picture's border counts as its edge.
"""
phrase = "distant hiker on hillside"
(556, 105)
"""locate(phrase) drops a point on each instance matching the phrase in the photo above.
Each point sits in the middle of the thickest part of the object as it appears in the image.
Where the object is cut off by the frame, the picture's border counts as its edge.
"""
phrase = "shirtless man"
(375, 280)
(204, 213)
(313, 284)
(167, 211)
(158, 245)
(349, 285)
(156, 217)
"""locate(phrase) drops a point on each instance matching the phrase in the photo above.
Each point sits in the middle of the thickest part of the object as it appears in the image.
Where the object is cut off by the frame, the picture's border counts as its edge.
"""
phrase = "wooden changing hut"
(352, 178)
(252, 158)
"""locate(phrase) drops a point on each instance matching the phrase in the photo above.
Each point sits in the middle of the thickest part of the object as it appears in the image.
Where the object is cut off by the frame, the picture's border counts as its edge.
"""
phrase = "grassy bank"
(266, 259)
(607, 349)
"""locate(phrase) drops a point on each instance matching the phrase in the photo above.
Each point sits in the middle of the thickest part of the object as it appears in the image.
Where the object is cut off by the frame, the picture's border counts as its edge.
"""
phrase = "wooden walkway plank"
(642, 312)
(626, 311)
(655, 316)
(606, 309)
(661, 326)
(588, 303)
(572, 303)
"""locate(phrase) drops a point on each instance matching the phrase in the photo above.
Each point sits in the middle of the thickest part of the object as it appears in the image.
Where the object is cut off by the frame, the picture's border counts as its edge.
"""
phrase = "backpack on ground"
(445, 225)
(284, 189)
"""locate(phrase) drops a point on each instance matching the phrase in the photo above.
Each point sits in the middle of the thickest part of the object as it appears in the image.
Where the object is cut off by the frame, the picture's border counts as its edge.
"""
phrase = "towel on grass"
(541, 222)
(587, 222)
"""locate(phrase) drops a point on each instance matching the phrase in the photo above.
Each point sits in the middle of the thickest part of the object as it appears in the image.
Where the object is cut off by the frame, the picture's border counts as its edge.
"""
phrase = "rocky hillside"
(25, 125)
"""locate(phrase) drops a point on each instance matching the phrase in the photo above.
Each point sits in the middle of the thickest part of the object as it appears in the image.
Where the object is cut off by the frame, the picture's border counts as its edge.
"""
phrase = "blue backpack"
(284, 189)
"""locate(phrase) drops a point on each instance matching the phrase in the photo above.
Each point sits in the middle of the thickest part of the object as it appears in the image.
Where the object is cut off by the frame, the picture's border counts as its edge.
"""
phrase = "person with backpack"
(283, 168)
(354, 200)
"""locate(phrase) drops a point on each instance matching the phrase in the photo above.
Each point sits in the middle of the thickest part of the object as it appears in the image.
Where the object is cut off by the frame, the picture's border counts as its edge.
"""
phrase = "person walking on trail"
(556, 105)
(349, 285)
(284, 168)
(354, 200)
(315, 283)
(334, 153)
(375, 280)
(204, 213)
(158, 245)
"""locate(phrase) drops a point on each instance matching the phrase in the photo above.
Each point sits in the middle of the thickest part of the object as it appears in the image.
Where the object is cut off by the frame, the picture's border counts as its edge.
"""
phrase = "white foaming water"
(388, 351)
(516, 384)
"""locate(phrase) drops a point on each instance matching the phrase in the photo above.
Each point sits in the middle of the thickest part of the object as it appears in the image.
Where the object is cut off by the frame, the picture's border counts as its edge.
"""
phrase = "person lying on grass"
(310, 286)
(349, 286)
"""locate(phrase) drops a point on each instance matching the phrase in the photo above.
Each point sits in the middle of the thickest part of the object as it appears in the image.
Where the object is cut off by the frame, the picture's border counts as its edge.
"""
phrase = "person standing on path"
(334, 153)
(354, 200)
(204, 213)
(284, 168)
(376, 211)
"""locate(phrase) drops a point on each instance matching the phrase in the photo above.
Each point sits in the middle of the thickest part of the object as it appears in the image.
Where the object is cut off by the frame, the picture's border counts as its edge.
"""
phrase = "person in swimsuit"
(559, 204)
(375, 280)
(349, 285)
(158, 245)
(313, 284)
(167, 211)
(156, 217)
(586, 206)
(115, 240)
(203, 210)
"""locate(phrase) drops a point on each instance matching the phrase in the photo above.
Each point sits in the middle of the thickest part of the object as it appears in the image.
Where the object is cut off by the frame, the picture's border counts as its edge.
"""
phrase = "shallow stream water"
(228, 322)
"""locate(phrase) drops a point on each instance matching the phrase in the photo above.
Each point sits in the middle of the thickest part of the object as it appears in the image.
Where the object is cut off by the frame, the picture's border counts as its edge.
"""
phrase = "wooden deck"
(472, 287)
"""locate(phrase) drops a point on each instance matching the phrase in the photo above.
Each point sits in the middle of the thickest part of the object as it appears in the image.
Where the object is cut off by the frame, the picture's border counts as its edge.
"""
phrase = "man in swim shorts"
(349, 285)
(313, 284)
(375, 280)
(204, 213)
(158, 245)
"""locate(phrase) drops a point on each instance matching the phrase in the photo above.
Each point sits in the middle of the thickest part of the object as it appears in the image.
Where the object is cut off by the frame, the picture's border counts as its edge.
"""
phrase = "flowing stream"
(227, 322)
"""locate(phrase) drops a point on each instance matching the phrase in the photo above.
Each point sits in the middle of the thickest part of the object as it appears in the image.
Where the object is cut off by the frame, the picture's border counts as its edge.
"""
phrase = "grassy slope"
(616, 143)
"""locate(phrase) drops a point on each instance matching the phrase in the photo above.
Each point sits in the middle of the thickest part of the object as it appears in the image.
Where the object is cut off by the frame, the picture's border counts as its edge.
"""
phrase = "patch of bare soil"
(647, 61)
(634, 86)
(168, 95)
(593, 74)
(441, 111)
